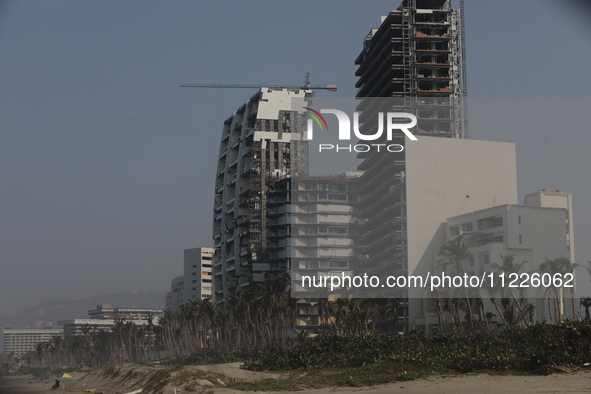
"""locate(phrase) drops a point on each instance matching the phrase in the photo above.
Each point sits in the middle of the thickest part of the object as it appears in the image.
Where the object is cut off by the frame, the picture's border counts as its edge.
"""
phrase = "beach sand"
(578, 382)
(26, 384)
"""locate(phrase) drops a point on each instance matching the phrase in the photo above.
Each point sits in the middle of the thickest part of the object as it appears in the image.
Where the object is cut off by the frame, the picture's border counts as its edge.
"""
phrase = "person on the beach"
(56, 385)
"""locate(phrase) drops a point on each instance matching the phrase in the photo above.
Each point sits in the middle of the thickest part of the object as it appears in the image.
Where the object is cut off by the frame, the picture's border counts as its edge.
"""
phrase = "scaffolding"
(417, 58)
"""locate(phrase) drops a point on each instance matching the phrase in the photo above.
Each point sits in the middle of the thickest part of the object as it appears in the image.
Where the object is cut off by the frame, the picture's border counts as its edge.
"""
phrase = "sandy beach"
(578, 382)
(25, 384)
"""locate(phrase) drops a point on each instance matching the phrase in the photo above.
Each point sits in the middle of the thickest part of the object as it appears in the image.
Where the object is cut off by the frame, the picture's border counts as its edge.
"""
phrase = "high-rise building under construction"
(258, 144)
(416, 58)
(418, 53)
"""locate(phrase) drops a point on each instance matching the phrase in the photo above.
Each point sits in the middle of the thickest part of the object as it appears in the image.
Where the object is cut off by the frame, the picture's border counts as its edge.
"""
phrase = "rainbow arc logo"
(317, 117)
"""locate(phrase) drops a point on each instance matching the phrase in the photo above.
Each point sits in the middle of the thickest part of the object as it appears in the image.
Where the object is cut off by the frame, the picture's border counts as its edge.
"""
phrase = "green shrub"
(535, 349)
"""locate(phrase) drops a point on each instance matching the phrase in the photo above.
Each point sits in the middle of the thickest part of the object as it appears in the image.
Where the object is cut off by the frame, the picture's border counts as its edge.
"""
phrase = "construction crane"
(306, 86)
(464, 70)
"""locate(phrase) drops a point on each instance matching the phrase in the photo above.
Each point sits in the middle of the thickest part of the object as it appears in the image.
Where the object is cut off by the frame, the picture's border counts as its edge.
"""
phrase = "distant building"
(196, 281)
(75, 327)
(105, 311)
(23, 340)
(175, 297)
(104, 318)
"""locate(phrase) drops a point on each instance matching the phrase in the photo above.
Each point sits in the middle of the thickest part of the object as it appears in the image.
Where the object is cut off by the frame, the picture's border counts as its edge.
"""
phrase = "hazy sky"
(107, 166)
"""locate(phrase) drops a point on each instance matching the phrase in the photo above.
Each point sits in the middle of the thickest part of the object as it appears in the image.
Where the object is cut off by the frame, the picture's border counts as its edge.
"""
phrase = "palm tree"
(586, 303)
(151, 335)
(569, 268)
(456, 252)
(557, 266)
(492, 290)
(509, 268)
(292, 311)
(273, 295)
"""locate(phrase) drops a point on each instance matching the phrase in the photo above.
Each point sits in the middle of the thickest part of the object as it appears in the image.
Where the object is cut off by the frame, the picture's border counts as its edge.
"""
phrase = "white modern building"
(75, 327)
(196, 281)
(106, 311)
(557, 199)
(526, 234)
(23, 340)
(105, 317)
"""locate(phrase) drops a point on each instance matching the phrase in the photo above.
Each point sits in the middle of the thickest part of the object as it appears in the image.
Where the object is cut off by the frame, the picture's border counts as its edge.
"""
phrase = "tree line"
(267, 314)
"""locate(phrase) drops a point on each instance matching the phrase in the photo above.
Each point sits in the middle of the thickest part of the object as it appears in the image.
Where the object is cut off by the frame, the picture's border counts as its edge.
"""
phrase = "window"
(488, 240)
(491, 222)
(466, 226)
(520, 239)
(519, 219)
(457, 229)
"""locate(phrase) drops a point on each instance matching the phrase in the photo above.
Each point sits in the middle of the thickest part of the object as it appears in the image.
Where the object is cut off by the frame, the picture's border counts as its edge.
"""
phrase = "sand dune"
(132, 377)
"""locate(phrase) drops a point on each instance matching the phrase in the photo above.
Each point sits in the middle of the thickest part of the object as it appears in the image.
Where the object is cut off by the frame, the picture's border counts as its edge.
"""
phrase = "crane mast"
(464, 71)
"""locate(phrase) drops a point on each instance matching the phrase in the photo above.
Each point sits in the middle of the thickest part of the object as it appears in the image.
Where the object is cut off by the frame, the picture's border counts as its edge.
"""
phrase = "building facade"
(106, 311)
(556, 199)
(415, 58)
(175, 297)
(416, 54)
(104, 318)
(196, 281)
(312, 231)
(507, 237)
(76, 327)
(442, 178)
(20, 341)
(258, 144)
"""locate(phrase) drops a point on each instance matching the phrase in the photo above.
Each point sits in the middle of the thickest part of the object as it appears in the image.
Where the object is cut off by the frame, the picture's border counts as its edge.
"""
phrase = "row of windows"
(482, 224)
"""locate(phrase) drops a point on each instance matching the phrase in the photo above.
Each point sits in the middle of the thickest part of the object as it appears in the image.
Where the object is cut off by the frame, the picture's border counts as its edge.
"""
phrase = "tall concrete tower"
(414, 58)
(416, 54)
(258, 144)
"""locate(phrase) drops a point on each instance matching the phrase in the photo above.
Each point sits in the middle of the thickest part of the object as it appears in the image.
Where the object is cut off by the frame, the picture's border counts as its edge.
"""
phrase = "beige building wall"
(445, 178)
(556, 199)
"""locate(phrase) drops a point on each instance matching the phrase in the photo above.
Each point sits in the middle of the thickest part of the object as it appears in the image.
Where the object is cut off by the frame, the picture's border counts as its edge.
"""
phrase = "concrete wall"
(445, 178)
